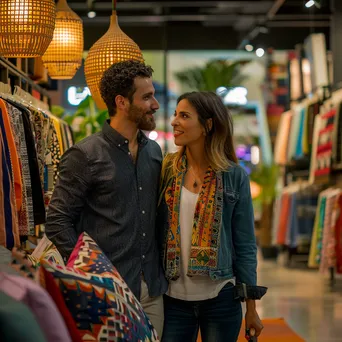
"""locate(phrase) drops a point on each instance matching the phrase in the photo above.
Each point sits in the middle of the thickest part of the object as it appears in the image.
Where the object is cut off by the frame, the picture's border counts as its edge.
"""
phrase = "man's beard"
(144, 120)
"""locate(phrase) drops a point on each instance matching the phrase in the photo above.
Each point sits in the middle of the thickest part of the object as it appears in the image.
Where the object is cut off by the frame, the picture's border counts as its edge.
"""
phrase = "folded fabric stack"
(85, 300)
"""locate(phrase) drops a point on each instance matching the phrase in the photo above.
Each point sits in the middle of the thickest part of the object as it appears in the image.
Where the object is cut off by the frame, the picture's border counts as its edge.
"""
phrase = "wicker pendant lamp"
(63, 57)
(26, 27)
(115, 46)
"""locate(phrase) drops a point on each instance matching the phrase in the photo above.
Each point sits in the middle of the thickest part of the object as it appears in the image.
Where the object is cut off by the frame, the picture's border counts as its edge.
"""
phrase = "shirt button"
(119, 145)
(140, 188)
(129, 152)
(144, 234)
(143, 211)
(143, 256)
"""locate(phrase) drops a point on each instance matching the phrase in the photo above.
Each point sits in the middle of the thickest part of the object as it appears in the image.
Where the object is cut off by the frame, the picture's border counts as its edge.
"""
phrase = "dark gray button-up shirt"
(101, 191)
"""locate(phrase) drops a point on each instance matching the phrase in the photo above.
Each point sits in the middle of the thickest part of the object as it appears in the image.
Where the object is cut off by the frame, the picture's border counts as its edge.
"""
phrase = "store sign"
(233, 96)
(77, 95)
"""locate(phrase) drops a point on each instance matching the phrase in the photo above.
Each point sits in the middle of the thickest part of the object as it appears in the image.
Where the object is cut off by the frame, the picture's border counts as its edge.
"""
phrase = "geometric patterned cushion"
(101, 303)
(88, 257)
(102, 309)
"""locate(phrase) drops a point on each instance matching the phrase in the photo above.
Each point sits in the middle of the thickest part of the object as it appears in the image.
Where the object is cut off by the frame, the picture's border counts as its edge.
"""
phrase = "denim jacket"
(237, 250)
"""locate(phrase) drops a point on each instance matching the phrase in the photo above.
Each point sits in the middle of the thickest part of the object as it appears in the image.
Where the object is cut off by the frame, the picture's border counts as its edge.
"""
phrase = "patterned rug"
(276, 330)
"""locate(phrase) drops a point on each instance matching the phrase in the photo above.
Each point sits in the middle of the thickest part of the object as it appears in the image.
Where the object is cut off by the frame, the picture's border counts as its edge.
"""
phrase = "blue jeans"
(219, 319)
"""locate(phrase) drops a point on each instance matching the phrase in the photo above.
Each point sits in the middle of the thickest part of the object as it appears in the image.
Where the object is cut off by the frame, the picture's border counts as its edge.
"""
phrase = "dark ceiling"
(190, 24)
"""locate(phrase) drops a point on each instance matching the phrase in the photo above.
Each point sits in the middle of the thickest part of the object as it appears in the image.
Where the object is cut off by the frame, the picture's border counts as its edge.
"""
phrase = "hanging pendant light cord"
(114, 5)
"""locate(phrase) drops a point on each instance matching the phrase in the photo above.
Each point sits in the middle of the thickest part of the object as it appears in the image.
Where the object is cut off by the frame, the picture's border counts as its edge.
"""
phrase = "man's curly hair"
(118, 79)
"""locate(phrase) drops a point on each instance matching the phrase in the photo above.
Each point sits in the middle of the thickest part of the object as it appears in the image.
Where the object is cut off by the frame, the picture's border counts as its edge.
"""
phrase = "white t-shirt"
(196, 287)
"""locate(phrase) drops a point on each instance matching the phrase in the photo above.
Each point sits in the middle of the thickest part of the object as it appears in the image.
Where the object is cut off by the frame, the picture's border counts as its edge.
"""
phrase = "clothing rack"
(299, 169)
(10, 74)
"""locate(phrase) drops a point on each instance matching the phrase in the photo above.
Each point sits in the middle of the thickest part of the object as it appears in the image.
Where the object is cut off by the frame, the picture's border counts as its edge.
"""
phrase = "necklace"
(195, 182)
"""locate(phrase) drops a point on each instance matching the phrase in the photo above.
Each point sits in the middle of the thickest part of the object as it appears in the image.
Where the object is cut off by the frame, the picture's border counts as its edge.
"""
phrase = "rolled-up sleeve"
(68, 200)
(244, 240)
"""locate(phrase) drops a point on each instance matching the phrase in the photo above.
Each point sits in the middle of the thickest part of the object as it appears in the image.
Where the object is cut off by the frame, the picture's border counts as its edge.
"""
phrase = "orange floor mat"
(276, 330)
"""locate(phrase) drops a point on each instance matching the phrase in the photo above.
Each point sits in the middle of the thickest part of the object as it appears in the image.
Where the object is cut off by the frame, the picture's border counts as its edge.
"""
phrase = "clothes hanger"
(29, 100)
(5, 92)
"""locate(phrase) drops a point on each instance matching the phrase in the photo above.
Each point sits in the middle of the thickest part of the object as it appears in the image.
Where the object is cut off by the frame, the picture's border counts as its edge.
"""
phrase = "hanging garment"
(25, 214)
(284, 218)
(40, 303)
(281, 145)
(18, 322)
(299, 145)
(337, 139)
(38, 118)
(295, 129)
(328, 256)
(292, 224)
(338, 236)
(12, 154)
(9, 230)
(37, 191)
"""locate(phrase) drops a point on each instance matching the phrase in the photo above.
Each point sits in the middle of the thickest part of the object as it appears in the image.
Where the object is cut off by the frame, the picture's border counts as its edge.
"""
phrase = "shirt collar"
(119, 140)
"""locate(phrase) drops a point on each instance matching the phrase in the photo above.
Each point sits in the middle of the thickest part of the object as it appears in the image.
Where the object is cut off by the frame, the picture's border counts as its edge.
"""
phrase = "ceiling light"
(249, 47)
(91, 14)
(63, 57)
(260, 52)
(26, 27)
(309, 3)
(113, 47)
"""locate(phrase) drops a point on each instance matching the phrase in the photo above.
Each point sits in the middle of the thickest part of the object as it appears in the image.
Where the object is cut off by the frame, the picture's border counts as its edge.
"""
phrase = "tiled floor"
(303, 298)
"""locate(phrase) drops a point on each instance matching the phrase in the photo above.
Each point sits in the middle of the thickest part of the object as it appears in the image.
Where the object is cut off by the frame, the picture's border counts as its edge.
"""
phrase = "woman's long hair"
(219, 146)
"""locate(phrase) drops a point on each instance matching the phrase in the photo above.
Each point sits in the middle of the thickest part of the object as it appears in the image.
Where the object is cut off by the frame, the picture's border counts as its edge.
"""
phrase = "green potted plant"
(85, 121)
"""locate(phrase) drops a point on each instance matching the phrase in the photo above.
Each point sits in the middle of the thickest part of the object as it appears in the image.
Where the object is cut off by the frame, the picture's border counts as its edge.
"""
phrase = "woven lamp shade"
(115, 46)
(26, 27)
(63, 57)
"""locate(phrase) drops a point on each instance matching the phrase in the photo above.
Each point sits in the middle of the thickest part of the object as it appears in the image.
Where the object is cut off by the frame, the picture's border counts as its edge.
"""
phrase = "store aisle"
(303, 299)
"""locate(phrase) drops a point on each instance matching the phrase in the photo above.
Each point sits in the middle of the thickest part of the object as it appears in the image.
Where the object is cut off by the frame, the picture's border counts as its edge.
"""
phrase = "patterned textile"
(89, 258)
(45, 250)
(37, 191)
(52, 159)
(55, 154)
(328, 257)
(47, 281)
(40, 143)
(23, 266)
(102, 305)
(206, 228)
(25, 213)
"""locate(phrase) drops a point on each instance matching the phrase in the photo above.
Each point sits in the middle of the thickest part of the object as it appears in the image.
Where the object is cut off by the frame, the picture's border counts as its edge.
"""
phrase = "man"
(108, 187)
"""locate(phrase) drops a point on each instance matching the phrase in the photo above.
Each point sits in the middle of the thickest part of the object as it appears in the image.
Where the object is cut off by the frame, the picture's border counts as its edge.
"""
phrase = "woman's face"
(187, 129)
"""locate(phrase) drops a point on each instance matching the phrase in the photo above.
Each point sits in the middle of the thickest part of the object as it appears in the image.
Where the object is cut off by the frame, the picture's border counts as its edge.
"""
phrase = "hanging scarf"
(205, 239)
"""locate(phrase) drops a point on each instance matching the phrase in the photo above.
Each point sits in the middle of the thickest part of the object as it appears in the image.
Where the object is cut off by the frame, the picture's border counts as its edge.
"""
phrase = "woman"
(209, 245)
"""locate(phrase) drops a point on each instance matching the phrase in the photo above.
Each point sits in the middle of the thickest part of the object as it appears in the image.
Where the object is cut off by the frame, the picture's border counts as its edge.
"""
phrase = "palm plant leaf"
(213, 74)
